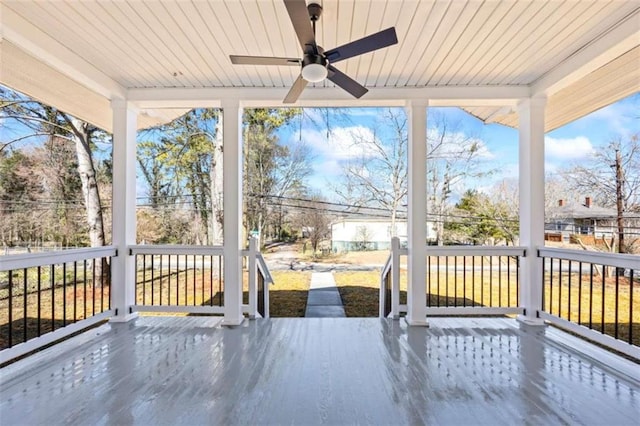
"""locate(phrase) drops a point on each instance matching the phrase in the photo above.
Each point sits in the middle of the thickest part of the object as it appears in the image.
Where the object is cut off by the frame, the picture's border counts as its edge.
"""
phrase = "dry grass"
(360, 295)
(288, 294)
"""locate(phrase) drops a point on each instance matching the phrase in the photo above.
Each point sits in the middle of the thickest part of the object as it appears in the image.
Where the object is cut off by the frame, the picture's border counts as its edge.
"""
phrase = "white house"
(369, 234)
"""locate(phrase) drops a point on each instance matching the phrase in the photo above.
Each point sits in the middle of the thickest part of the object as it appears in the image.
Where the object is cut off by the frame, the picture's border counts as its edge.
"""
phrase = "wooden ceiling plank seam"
(271, 39)
(437, 14)
(569, 50)
(223, 41)
(417, 46)
(596, 88)
(47, 20)
(464, 63)
(259, 41)
(458, 11)
(607, 75)
(268, 20)
(364, 61)
(392, 18)
(175, 40)
(202, 28)
(541, 48)
(141, 27)
(24, 72)
(557, 118)
(132, 45)
(405, 40)
(450, 53)
(191, 28)
(34, 41)
(537, 45)
(495, 40)
(130, 19)
(80, 34)
(188, 72)
(345, 18)
(537, 25)
(375, 18)
(467, 37)
(486, 67)
(528, 40)
(237, 38)
(289, 40)
(357, 28)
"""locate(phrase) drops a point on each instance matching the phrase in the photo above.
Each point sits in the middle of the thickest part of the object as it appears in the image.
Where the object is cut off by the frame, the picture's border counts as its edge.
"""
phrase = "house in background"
(369, 234)
(365, 234)
(587, 220)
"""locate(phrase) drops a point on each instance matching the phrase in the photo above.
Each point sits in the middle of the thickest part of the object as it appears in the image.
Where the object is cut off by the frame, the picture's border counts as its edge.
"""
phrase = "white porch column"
(123, 271)
(417, 213)
(531, 127)
(232, 193)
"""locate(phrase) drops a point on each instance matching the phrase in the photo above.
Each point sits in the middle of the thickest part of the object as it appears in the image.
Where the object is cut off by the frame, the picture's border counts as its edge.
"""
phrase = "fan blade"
(346, 82)
(296, 90)
(364, 45)
(263, 60)
(299, 16)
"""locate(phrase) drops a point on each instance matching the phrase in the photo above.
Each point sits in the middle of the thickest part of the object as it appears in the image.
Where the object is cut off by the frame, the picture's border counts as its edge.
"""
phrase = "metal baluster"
(604, 273)
(152, 282)
(569, 293)
(591, 296)
(25, 291)
(75, 291)
(39, 296)
(10, 308)
(615, 325)
(64, 294)
(580, 293)
(161, 279)
(630, 307)
(52, 275)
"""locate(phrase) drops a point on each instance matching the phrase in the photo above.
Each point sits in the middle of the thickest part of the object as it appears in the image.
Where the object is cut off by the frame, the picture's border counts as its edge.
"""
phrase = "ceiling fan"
(316, 63)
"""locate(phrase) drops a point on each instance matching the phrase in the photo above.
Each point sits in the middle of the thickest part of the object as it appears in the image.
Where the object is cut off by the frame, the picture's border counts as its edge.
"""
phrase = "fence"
(190, 279)
(48, 296)
(595, 295)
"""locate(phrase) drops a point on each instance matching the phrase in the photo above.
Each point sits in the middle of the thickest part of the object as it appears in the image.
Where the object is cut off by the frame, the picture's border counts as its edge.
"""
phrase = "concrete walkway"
(324, 299)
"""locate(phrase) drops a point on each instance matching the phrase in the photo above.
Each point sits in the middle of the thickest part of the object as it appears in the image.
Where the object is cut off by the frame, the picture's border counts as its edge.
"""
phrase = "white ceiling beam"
(45, 48)
(600, 52)
(328, 96)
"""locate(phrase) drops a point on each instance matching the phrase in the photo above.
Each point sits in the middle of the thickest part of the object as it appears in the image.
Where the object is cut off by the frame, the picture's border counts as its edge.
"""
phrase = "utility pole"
(619, 201)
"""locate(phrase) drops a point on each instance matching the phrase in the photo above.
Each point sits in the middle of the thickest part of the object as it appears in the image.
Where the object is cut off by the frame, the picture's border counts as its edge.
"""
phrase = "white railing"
(259, 281)
(171, 279)
(183, 273)
(390, 282)
(593, 294)
(488, 288)
(461, 280)
(60, 280)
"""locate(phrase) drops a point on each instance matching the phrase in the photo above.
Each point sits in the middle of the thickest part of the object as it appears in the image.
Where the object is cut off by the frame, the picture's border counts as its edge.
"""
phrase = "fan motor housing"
(315, 11)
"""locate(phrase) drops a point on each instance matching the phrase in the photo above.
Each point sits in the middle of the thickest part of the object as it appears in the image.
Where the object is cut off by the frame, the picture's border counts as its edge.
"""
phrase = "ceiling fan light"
(314, 73)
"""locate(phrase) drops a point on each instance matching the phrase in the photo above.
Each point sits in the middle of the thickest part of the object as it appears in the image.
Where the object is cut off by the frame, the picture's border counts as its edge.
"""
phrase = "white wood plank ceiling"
(444, 43)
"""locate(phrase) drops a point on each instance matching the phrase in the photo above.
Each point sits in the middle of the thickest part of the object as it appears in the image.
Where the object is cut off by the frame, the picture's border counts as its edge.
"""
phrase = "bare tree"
(612, 177)
(453, 154)
(317, 222)
(378, 176)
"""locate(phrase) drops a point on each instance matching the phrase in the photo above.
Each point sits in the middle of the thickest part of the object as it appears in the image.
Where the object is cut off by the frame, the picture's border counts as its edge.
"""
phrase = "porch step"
(324, 300)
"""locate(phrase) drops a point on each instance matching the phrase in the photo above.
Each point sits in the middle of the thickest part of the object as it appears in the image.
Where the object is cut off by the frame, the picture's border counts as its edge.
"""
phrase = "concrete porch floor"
(333, 371)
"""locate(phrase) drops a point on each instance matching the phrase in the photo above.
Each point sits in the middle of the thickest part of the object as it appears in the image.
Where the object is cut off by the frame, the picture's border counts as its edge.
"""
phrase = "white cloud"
(340, 143)
(568, 148)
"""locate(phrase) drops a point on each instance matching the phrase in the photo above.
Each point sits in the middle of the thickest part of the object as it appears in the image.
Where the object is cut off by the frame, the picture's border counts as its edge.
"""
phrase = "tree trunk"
(216, 172)
(92, 204)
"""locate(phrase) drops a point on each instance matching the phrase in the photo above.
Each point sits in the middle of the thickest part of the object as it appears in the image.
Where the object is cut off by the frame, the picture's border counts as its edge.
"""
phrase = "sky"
(331, 148)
